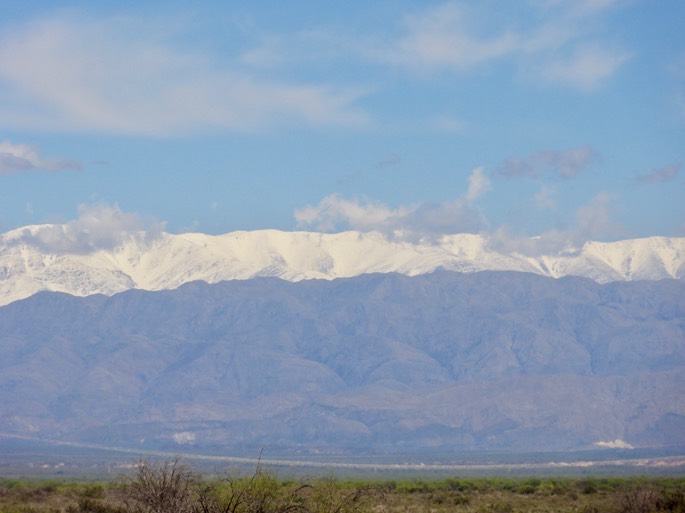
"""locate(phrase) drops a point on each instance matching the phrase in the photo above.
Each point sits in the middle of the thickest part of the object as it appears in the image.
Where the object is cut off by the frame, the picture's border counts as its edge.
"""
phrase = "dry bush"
(638, 500)
(260, 493)
(169, 487)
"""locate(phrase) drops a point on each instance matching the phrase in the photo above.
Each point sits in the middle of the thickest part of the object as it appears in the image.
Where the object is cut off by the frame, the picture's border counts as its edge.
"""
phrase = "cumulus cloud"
(335, 212)
(593, 221)
(662, 174)
(479, 184)
(17, 158)
(122, 76)
(423, 221)
(98, 227)
(565, 163)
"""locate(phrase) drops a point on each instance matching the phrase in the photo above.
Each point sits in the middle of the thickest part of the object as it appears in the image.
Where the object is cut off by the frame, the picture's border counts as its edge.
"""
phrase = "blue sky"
(564, 119)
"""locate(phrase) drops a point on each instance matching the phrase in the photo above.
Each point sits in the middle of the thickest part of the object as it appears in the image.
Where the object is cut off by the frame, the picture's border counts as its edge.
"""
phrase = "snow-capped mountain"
(30, 263)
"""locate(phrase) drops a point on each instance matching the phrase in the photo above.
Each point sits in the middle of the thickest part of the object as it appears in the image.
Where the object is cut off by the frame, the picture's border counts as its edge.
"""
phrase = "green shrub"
(497, 507)
(88, 505)
(672, 501)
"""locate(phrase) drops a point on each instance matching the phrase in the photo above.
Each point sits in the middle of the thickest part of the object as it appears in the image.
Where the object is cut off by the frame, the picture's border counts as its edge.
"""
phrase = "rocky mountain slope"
(378, 362)
(32, 261)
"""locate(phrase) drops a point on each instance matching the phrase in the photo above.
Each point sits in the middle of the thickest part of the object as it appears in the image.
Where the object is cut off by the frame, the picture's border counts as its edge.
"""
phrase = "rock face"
(488, 360)
(31, 260)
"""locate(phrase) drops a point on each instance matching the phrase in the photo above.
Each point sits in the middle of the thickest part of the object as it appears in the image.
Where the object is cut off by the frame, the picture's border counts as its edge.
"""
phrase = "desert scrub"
(175, 487)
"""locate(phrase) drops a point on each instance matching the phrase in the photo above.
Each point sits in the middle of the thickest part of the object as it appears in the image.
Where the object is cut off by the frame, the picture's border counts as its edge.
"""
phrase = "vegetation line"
(175, 487)
(666, 462)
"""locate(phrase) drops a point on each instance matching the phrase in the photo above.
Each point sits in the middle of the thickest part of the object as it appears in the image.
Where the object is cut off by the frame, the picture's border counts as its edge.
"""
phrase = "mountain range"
(379, 362)
(50, 257)
(352, 342)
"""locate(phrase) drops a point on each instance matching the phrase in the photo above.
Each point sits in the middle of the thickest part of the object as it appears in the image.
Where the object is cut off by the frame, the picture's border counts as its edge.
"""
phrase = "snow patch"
(615, 444)
(184, 437)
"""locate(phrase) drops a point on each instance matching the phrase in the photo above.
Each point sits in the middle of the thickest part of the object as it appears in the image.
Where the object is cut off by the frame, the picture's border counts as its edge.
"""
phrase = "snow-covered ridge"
(167, 260)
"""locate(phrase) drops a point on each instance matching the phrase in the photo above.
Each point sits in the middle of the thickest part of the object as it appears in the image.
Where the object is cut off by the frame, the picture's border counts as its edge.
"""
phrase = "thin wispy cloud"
(559, 163)
(387, 162)
(439, 38)
(559, 43)
(18, 158)
(662, 174)
(558, 48)
(587, 68)
(122, 76)
(592, 221)
(545, 198)
(578, 9)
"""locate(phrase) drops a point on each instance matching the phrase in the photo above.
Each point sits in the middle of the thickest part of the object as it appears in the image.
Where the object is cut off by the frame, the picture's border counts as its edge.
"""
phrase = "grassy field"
(174, 487)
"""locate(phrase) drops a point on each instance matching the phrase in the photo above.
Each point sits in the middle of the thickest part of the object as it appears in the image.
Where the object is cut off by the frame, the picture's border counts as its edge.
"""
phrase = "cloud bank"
(98, 227)
(18, 158)
(419, 222)
(429, 222)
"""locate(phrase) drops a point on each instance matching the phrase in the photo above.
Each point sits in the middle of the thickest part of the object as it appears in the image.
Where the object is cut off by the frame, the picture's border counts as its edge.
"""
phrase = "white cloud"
(586, 69)
(97, 227)
(16, 158)
(423, 221)
(334, 212)
(554, 46)
(577, 8)
(479, 184)
(440, 38)
(564, 163)
(120, 76)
